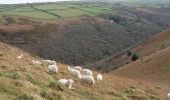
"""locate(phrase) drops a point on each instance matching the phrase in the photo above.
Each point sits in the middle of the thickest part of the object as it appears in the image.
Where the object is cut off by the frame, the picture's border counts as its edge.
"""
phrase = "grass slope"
(154, 68)
(22, 80)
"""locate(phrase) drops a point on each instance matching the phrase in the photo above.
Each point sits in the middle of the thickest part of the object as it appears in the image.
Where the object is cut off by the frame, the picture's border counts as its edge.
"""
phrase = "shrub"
(135, 57)
(129, 53)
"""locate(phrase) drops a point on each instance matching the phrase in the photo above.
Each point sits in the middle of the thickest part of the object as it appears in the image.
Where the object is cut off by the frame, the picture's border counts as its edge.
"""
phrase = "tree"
(135, 57)
(129, 53)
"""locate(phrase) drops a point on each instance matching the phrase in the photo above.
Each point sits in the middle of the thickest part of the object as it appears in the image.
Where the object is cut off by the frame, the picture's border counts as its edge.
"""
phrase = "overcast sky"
(26, 1)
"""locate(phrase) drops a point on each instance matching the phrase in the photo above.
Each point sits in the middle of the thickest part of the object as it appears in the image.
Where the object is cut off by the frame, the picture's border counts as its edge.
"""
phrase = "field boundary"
(45, 11)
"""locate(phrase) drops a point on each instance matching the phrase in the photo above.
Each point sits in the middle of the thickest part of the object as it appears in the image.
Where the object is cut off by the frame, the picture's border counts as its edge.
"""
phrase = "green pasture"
(35, 14)
(47, 11)
(51, 6)
(22, 9)
(71, 13)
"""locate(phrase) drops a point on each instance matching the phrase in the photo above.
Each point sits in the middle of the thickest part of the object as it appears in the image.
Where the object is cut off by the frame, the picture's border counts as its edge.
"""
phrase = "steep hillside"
(154, 68)
(23, 80)
(154, 44)
(80, 33)
(78, 40)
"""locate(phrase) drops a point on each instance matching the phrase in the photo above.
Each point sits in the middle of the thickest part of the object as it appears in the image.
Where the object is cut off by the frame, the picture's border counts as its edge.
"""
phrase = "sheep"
(36, 62)
(51, 62)
(111, 21)
(168, 95)
(74, 72)
(79, 68)
(99, 77)
(46, 61)
(53, 68)
(21, 56)
(87, 72)
(87, 79)
(67, 83)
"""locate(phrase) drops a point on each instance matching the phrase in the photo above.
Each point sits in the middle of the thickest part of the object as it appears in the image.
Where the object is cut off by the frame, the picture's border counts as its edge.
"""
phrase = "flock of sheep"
(85, 77)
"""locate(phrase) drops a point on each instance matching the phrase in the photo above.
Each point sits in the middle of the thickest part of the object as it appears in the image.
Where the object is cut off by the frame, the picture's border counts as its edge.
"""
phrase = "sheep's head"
(80, 76)
(53, 63)
(168, 95)
(69, 83)
(68, 67)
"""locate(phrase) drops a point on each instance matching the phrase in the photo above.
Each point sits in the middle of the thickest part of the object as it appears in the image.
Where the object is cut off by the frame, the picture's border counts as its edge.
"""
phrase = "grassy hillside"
(152, 68)
(156, 43)
(155, 66)
(23, 80)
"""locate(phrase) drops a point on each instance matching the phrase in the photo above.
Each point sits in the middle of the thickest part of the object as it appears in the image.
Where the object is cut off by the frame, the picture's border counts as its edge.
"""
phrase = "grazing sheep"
(53, 68)
(36, 62)
(67, 83)
(21, 56)
(51, 62)
(47, 61)
(87, 72)
(168, 95)
(74, 72)
(99, 77)
(79, 68)
(87, 79)
(111, 21)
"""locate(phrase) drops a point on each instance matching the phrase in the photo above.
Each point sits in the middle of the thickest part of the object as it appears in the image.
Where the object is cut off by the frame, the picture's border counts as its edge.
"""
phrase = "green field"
(34, 14)
(23, 9)
(52, 11)
(71, 13)
(51, 6)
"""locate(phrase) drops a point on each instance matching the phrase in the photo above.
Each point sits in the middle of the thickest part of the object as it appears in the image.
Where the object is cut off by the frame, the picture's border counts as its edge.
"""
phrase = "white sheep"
(99, 77)
(51, 62)
(87, 72)
(36, 62)
(79, 68)
(168, 95)
(53, 68)
(46, 61)
(67, 83)
(87, 79)
(74, 72)
(21, 56)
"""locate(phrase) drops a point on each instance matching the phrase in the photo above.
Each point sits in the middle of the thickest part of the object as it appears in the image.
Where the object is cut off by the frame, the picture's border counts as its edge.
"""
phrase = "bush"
(135, 57)
(129, 53)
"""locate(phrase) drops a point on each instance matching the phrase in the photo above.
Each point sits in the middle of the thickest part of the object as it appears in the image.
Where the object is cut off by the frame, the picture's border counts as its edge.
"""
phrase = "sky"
(26, 1)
